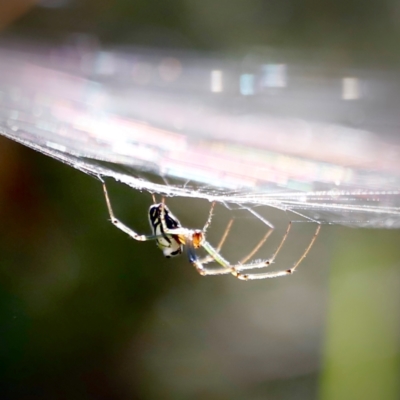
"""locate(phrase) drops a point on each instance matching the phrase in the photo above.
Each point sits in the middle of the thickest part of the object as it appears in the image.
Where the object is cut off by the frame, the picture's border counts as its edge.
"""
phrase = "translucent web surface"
(246, 131)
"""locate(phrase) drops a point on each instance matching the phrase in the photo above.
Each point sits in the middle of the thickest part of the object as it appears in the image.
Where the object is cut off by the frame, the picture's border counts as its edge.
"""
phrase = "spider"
(171, 237)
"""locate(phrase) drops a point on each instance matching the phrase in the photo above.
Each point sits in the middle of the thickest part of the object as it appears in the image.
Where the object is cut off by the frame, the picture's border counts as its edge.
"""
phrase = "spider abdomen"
(171, 245)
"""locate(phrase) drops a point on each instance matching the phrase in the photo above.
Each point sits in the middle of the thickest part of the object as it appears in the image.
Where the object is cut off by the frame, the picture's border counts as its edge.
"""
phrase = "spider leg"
(168, 231)
(224, 268)
(242, 266)
(254, 251)
(120, 225)
(225, 235)
(282, 242)
(213, 255)
(276, 274)
(303, 256)
(210, 271)
(209, 258)
(210, 215)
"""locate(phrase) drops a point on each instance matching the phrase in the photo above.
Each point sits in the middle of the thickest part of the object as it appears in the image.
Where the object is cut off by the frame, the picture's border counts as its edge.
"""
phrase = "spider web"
(207, 127)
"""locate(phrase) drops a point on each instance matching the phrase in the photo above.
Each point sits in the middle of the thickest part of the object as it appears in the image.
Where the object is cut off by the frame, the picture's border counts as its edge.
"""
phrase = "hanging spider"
(170, 237)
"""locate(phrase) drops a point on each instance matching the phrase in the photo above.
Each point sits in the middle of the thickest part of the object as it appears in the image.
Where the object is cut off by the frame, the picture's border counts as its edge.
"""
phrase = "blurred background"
(88, 313)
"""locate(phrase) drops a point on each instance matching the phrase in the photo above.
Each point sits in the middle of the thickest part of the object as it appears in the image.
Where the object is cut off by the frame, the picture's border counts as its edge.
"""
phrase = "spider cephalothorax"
(170, 237)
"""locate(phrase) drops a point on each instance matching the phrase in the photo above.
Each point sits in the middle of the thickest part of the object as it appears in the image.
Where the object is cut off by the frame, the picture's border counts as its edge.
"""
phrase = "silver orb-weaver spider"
(171, 237)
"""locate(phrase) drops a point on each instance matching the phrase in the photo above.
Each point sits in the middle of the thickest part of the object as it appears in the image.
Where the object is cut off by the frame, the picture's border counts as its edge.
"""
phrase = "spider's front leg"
(120, 225)
(248, 277)
(224, 269)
